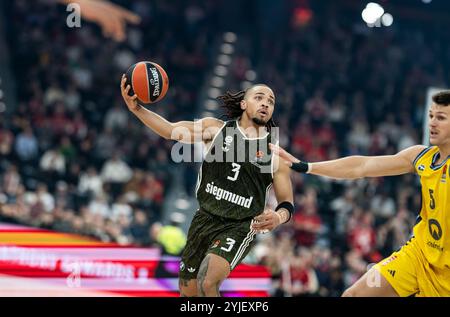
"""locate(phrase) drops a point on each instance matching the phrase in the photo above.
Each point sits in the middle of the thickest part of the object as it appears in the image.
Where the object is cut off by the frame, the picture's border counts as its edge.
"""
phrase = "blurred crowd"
(72, 159)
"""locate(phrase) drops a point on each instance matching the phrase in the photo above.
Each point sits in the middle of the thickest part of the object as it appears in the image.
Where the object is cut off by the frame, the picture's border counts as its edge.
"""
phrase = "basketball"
(148, 81)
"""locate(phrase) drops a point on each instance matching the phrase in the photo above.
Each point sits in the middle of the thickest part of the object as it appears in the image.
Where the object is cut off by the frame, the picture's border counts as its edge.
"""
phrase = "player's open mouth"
(433, 133)
(262, 112)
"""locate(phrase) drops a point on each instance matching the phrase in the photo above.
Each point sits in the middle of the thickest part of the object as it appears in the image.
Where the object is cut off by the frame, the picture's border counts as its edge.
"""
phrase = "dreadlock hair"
(231, 103)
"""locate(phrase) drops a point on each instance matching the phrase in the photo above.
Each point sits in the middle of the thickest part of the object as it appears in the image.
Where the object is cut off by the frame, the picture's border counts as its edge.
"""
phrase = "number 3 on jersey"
(236, 169)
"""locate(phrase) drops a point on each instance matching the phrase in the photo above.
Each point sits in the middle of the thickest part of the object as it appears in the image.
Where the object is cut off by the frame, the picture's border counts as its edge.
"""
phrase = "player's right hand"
(266, 221)
(285, 155)
(131, 101)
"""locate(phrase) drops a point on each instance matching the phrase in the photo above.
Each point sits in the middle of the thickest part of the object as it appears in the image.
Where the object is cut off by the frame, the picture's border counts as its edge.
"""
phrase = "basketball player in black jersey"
(234, 179)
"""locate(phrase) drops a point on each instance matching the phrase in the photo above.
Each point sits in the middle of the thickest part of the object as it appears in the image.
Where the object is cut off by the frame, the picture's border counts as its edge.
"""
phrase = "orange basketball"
(148, 81)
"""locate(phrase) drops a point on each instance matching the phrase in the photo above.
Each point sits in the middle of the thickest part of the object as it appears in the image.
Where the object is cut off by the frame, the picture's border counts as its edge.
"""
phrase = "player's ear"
(243, 104)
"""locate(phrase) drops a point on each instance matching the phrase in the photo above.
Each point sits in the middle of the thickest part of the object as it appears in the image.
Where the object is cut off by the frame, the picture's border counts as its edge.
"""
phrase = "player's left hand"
(266, 221)
(285, 155)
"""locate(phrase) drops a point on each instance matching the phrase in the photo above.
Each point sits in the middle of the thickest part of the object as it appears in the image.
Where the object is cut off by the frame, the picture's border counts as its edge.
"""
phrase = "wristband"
(288, 206)
(301, 167)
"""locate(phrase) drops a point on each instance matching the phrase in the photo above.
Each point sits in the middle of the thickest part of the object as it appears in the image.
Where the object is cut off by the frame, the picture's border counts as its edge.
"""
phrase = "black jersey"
(236, 174)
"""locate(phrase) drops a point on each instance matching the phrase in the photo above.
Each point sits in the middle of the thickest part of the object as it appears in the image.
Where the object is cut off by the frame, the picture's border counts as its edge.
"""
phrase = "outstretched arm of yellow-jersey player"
(357, 166)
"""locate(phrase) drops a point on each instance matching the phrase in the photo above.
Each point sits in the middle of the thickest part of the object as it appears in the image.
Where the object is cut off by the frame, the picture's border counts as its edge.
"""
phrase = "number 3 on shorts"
(230, 243)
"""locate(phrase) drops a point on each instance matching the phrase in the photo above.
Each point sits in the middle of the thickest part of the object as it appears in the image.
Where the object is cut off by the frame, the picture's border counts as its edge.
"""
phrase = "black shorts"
(228, 238)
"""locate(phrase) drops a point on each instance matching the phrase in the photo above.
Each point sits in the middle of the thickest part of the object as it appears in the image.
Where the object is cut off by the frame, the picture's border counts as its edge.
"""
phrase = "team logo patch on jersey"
(258, 159)
(444, 175)
(182, 267)
(435, 229)
(421, 167)
(215, 244)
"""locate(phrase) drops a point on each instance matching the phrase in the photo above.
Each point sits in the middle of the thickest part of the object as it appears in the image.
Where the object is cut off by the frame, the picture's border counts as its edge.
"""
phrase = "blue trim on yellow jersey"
(434, 159)
(422, 153)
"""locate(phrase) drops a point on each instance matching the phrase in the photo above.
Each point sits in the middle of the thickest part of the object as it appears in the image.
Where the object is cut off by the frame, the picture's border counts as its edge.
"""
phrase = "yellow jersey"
(432, 230)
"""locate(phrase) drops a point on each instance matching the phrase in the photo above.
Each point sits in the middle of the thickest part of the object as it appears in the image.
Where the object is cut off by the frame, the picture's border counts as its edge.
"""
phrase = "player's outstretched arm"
(282, 186)
(184, 131)
(352, 167)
